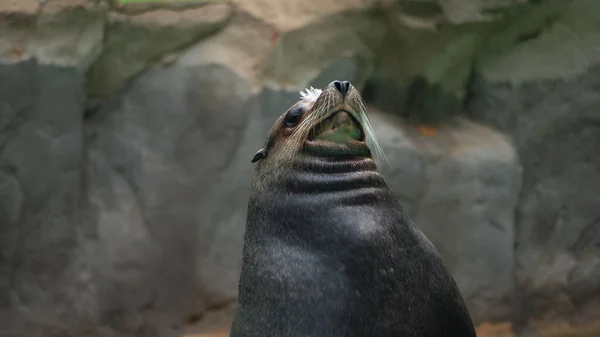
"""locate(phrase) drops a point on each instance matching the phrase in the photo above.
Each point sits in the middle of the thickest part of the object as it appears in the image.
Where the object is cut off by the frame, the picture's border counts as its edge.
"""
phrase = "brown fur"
(283, 144)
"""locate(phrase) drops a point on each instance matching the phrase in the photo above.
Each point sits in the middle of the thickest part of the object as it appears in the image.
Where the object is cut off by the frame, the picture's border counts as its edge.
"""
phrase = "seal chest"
(328, 249)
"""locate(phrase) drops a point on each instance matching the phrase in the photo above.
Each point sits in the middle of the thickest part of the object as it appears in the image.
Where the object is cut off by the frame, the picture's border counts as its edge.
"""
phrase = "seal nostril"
(339, 86)
(348, 86)
(342, 86)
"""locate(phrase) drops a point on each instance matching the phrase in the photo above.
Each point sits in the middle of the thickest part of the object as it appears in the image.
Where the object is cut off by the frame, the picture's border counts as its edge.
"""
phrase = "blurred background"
(126, 133)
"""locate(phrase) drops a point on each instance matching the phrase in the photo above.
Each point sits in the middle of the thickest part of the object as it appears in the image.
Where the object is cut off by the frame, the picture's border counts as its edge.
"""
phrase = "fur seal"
(328, 249)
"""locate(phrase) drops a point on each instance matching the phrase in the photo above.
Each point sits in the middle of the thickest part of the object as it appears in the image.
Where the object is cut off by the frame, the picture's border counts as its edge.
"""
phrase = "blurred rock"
(271, 49)
(156, 155)
(41, 150)
(423, 68)
(133, 42)
(70, 35)
(27, 7)
(546, 97)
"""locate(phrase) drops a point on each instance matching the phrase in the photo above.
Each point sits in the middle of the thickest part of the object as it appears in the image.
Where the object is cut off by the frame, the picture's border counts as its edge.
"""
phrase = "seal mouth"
(338, 126)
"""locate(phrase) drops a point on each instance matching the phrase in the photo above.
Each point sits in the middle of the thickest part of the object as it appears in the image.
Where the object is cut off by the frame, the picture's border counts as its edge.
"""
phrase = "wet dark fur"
(329, 251)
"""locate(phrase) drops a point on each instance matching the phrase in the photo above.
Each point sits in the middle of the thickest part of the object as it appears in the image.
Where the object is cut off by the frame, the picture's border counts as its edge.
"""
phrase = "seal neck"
(348, 175)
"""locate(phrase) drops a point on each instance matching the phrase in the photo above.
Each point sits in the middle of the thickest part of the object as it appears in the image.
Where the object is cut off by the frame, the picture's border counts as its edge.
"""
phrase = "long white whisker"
(370, 133)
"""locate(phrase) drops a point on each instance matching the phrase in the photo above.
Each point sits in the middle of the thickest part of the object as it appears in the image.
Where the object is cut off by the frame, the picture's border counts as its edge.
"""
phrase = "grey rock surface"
(157, 157)
(132, 43)
(41, 150)
(556, 126)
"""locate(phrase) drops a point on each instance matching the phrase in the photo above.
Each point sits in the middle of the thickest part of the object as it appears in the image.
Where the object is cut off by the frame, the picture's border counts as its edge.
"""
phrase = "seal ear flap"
(261, 154)
(264, 151)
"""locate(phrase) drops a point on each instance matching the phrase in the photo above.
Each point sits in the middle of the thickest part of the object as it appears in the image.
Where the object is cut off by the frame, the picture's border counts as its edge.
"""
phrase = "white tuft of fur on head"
(310, 95)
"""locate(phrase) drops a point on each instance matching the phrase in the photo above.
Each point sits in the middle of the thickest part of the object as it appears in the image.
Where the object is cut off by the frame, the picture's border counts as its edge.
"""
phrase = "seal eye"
(293, 117)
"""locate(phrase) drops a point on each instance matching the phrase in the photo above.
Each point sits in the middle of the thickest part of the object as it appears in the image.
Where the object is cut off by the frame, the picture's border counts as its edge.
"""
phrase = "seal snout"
(341, 127)
(342, 86)
(341, 120)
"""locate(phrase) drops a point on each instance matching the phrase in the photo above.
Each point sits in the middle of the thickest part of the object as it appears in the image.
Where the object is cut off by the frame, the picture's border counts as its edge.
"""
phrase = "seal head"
(332, 122)
(328, 249)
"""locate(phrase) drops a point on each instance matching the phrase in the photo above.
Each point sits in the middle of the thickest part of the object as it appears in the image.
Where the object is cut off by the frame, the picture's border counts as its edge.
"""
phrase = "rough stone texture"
(268, 50)
(134, 42)
(563, 48)
(425, 82)
(126, 134)
(41, 149)
(155, 160)
(69, 38)
(556, 127)
(294, 14)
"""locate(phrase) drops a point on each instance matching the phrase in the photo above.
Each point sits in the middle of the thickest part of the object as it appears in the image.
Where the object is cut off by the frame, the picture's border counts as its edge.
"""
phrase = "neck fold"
(345, 180)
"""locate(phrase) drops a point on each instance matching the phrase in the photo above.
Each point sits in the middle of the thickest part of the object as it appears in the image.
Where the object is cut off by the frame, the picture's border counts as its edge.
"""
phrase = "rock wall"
(549, 107)
(126, 134)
